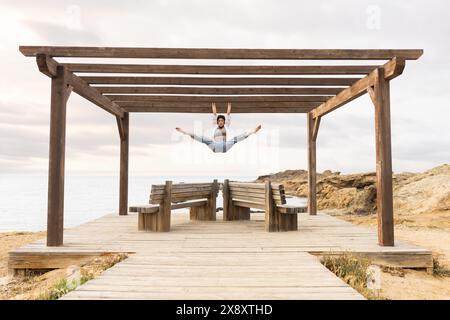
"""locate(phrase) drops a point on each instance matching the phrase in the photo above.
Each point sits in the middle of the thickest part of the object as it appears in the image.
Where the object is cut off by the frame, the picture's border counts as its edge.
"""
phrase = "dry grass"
(353, 271)
(53, 284)
(87, 272)
(440, 270)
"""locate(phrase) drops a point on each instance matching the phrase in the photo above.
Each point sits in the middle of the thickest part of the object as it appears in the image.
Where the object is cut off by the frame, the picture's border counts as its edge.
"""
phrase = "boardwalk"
(217, 259)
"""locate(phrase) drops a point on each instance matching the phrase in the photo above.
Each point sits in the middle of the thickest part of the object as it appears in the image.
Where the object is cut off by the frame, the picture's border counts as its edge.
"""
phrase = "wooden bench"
(239, 197)
(199, 197)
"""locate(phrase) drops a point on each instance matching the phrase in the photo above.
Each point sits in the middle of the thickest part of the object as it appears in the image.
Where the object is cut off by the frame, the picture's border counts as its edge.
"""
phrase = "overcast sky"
(420, 108)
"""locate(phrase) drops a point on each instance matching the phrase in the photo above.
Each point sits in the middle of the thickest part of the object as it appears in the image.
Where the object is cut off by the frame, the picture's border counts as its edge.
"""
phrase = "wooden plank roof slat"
(211, 69)
(219, 90)
(217, 53)
(222, 81)
(192, 98)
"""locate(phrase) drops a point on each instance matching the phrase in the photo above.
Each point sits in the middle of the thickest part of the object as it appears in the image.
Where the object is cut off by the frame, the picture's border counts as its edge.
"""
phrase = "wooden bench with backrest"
(199, 197)
(239, 197)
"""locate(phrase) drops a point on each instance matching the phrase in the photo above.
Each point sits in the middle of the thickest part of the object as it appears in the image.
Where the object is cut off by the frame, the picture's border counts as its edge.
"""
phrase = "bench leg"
(281, 222)
(141, 221)
(148, 222)
(156, 222)
(203, 213)
(162, 221)
(241, 213)
(287, 222)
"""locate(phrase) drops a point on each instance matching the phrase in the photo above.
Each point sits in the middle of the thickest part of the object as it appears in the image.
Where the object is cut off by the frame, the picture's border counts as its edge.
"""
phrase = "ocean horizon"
(23, 205)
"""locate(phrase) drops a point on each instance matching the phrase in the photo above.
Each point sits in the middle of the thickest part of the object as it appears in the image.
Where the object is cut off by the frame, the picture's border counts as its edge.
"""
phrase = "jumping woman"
(220, 142)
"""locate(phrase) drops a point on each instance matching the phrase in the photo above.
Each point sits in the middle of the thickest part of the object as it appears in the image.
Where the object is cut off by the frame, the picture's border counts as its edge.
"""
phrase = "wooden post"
(206, 212)
(380, 95)
(124, 147)
(230, 212)
(312, 197)
(55, 208)
(226, 200)
(163, 216)
(271, 222)
(212, 201)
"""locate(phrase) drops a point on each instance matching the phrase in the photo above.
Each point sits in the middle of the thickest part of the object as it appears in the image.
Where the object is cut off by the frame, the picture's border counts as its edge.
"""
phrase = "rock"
(73, 276)
(356, 193)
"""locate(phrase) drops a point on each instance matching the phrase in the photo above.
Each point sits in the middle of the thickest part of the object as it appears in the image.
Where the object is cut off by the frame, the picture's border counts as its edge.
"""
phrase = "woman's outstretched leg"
(240, 137)
(209, 142)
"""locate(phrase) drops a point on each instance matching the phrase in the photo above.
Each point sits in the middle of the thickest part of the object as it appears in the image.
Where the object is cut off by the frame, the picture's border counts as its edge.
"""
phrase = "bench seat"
(239, 197)
(199, 197)
(154, 208)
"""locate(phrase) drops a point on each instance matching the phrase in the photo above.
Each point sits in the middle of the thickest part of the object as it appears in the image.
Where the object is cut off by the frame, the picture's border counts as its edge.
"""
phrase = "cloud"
(50, 32)
(419, 98)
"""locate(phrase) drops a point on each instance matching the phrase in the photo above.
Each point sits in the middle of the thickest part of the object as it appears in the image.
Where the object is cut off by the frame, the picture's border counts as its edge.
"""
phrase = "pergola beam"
(219, 90)
(121, 127)
(90, 93)
(221, 81)
(193, 99)
(189, 108)
(223, 70)
(208, 53)
(207, 104)
(49, 67)
(391, 69)
(315, 129)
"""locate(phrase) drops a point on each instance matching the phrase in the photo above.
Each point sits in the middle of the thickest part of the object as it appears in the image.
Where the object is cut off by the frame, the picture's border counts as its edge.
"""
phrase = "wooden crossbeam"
(208, 53)
(121, 128)
(255, 104)
(205, 107)
(212, 69)
(91, 94)
(48, 66)
(315, 128)
(191, 98)
(194, 109)
(229, 81)
(219, 90)
(391, 69)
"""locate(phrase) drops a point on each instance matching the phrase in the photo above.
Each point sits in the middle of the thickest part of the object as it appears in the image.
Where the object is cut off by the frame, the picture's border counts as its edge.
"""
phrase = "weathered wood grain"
(215, 53)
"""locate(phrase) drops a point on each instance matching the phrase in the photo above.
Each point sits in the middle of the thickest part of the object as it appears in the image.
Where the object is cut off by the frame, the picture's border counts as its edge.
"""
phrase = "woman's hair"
(220, 116)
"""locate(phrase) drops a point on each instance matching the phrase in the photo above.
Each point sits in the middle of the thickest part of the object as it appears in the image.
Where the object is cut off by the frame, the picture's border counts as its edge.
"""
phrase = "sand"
(38, 286)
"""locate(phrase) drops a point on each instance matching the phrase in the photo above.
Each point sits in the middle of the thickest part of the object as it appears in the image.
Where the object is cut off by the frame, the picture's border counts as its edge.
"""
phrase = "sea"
(23, 199)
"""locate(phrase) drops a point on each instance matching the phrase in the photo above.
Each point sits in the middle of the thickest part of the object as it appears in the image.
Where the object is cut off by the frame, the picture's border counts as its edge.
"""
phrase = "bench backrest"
(251, 192)
(184, 191)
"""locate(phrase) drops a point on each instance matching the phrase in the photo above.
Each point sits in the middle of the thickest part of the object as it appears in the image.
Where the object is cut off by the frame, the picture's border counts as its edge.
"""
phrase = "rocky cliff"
(414, 193)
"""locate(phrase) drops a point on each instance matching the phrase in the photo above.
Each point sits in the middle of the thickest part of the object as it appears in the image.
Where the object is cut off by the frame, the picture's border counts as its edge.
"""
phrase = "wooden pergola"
(192, 88)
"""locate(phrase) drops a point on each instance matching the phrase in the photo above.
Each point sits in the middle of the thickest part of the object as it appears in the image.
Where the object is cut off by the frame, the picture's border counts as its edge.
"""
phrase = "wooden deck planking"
(217, 259)
(217, 276)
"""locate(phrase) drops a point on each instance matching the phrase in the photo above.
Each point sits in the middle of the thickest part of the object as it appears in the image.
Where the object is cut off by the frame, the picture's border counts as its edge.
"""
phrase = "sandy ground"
(406, 284)
(39, 286)
(415, 284)
(12, 240)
